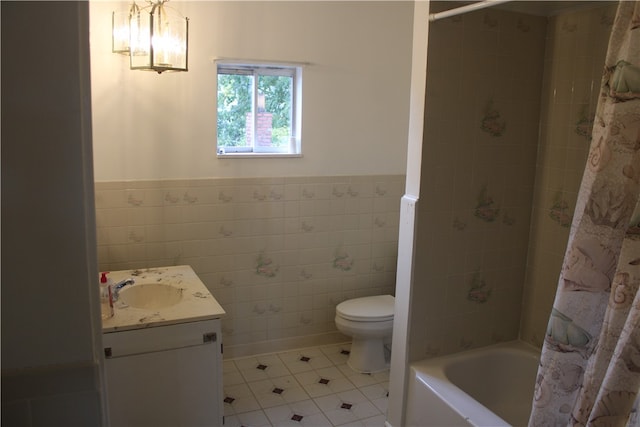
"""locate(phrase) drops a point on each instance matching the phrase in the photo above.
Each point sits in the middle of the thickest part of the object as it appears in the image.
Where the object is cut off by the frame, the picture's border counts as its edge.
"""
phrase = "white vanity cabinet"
(163, 362)
(166, 376)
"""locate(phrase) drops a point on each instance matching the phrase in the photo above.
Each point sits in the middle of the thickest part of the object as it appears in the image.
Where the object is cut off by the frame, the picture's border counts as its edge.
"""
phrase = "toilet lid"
(374, 308)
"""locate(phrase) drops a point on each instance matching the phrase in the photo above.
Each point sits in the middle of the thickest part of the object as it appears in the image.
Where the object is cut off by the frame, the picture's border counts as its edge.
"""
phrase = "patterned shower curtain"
(589, 370)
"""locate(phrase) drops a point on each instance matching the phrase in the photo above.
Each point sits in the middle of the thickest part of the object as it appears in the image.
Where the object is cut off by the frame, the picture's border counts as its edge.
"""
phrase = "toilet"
(369, 322)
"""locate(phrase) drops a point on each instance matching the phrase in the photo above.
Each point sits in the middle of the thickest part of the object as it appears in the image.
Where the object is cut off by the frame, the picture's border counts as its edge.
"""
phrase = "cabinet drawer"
(137, 341)
(171, 388)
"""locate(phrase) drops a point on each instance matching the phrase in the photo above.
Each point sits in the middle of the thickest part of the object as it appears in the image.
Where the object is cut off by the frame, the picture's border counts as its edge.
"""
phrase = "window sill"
(257, 155)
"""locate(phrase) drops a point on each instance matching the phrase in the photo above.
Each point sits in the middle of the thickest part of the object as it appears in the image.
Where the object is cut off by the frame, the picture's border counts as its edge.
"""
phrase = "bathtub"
(489, 386)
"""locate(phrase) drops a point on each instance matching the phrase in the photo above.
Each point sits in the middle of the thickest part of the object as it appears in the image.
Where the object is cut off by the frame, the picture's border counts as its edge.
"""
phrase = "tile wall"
(575, 50)
(277, 253)
(482, 107)
(510, 102)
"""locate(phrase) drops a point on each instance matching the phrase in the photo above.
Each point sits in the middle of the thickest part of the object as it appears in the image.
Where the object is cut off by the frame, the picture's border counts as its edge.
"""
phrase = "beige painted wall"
(355, 90)
(164, 198)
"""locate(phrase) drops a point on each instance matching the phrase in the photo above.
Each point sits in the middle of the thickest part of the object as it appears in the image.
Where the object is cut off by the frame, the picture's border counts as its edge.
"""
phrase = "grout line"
(291, 350)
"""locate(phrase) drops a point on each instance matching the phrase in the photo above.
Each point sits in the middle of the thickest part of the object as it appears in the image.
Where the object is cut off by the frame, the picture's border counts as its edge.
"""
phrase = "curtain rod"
(465, 9)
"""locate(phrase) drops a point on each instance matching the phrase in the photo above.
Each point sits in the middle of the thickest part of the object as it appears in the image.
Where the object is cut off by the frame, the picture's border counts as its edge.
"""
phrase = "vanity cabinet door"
(173, 387)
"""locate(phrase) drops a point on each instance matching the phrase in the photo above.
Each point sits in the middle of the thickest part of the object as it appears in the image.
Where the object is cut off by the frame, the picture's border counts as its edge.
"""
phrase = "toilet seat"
(377, 308)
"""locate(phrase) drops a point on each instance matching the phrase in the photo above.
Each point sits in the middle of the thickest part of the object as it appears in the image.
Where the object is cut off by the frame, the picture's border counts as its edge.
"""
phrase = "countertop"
(196, 303)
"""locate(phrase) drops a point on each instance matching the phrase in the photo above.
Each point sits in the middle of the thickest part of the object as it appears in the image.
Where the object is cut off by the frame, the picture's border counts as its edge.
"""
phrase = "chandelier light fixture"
(120, 28)
(156, 37)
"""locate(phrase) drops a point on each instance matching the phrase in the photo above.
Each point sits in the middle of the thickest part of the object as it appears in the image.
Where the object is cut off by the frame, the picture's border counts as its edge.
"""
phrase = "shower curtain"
(589, 371)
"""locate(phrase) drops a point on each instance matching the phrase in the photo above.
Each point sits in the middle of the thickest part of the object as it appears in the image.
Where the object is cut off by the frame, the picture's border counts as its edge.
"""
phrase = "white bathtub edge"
(434, 400)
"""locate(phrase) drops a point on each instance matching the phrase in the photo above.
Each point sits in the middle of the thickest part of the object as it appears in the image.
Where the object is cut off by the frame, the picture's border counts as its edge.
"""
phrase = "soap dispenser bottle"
(106, 300)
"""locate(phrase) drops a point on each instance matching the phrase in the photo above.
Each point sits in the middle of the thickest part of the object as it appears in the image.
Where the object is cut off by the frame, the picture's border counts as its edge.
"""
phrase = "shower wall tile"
(574, 56)
(484, 78)
(279, 254)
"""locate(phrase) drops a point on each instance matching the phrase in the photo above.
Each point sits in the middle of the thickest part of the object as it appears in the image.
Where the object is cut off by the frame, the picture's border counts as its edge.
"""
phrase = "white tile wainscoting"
(277, 253)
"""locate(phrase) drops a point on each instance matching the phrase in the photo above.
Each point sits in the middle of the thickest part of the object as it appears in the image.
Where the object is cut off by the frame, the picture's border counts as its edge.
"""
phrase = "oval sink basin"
(150, 296)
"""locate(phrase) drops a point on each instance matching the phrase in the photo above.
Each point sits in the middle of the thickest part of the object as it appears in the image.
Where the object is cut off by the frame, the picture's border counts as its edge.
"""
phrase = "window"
(258, 109)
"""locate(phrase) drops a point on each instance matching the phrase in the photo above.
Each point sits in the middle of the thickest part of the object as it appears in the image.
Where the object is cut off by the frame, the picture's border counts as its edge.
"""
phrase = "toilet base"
(367, 355)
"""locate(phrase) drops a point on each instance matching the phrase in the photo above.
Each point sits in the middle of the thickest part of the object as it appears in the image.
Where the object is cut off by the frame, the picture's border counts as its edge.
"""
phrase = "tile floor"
(307, 387)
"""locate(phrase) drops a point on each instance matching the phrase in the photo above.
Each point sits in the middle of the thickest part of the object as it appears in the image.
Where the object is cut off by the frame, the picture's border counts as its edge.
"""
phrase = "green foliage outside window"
(235, 101)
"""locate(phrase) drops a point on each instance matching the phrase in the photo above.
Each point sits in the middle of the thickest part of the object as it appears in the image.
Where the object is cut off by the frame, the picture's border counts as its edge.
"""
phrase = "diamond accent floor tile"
(243, 399)
(261, 367)
(338, 353)
(277, 391)
(324, 381)
(302, 361)
(311, 387)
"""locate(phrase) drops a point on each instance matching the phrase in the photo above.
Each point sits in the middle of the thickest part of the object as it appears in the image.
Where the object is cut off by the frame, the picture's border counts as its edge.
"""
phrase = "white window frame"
(256, 68)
